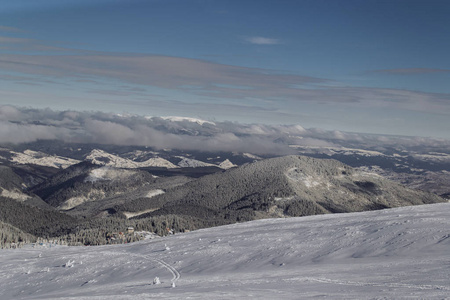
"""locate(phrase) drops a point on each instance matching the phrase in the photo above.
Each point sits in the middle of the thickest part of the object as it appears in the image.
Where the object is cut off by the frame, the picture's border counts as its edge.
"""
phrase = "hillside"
(389, 254)
(87, 189)
(279, 187)
(12, 186)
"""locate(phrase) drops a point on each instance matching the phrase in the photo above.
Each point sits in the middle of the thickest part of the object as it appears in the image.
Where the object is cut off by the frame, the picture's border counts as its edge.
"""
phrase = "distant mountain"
(100, 157)
(187, 119)
(87, 189)
(192, 163)
(42, 159)
(227, 164)
(279, 187)
(88, 182)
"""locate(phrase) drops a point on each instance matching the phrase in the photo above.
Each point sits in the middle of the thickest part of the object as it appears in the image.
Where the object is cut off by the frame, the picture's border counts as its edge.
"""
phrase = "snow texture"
(387, 254)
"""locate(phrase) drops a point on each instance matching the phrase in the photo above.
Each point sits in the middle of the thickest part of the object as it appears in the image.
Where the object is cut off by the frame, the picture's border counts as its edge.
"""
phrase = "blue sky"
(361, 66)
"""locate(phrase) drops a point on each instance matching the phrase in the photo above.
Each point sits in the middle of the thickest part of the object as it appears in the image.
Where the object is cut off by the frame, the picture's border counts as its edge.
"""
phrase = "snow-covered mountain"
(193, 163)
(390, 254)
(42, 159)
(187, 119)
(100, 157)
(227, 164)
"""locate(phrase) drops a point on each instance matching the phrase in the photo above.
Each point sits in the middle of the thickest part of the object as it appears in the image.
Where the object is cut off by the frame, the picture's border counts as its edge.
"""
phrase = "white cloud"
(259, 40)
(20, 125)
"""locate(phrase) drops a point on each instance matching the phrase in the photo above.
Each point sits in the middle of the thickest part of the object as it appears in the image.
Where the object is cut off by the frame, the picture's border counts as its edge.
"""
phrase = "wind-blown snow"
(395, 253)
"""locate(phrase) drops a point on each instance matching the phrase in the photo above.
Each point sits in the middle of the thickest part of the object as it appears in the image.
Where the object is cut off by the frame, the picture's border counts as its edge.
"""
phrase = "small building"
(130, 230)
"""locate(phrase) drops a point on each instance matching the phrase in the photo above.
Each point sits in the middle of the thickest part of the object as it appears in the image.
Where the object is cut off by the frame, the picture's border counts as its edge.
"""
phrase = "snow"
(154, 193)
(137, 213)
(397, 253)
(192, 120)
(192, 163)
(100, 157)
(42, 159)
(331, 150)
(433, 156)
(14, 194)
(227, 164)
(98, 175)
(92, 195)
(309, 181)
(108, 173)
(252, 156)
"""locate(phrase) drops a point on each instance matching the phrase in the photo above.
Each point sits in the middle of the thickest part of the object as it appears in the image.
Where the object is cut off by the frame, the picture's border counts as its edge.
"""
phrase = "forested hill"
(279, 187)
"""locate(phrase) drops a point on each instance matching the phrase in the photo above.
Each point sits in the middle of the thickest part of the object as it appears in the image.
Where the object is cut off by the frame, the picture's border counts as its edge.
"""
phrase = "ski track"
(176, 275)
(172, 270)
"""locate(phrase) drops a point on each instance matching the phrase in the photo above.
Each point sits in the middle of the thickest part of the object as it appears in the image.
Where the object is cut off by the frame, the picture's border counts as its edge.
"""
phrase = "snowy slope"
(395, 253)
(42, 159)
(227, 164)
(192, 163)
(100, 157)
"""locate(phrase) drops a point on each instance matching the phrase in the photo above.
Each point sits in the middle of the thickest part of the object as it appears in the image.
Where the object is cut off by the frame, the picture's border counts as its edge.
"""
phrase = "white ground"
(394, 254)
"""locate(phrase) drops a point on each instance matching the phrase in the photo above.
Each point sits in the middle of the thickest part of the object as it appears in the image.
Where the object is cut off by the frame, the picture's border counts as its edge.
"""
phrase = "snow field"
(396, 253)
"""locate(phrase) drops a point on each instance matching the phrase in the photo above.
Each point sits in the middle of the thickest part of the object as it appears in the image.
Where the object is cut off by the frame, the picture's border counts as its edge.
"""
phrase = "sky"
(358, 66)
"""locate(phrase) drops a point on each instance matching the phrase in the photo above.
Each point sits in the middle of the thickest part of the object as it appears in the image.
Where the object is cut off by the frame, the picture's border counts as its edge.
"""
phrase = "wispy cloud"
(259, 40)
(217, 81)
(10, 29)
(158, 71)
(412, 71)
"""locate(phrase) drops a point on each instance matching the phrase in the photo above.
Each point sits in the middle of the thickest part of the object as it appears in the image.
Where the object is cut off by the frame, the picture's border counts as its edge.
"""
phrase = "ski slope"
(395, 254)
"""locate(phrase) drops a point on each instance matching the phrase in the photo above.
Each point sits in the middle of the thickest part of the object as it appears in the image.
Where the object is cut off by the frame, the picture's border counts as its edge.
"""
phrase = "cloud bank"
(23, 125)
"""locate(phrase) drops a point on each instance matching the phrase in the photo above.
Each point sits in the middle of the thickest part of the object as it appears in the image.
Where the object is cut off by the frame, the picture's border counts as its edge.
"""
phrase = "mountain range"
(99, 192)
